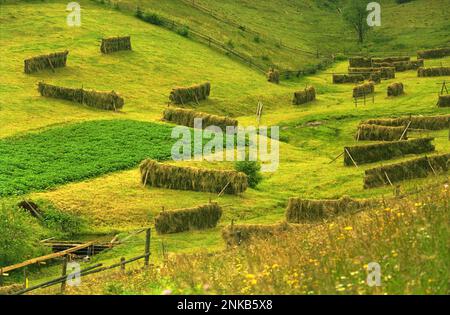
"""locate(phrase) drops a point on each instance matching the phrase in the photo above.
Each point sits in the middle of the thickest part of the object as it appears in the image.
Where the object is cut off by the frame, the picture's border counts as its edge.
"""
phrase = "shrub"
(62, 222)
(153, 18)
(252, 169)
(183, 31)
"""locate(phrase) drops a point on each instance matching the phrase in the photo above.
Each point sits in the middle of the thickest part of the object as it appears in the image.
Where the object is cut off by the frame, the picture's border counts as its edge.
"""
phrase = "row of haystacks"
(182, 95)
(444, 100)
(50, 61)
(305, 96)
(102, 100)
(185, 117)
(189, 178)
(401, 66)
(241, 233)
(433, 72)
(198, 218)
(348, 78)
(273, 76)
(412, 169)
(395, 89)
(433, 53)
(438, 122)
(370, 153)
(381, 133)
(386, 72)
(363, 89)
(391, 59)
(368, 62)
(113, 44)
(299, 209)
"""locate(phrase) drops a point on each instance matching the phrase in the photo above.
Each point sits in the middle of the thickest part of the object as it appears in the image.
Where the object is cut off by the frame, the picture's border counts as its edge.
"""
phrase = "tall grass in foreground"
(409, 238)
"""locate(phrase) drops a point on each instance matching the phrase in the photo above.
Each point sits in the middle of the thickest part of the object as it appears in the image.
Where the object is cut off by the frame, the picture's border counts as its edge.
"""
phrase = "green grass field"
(83, 161)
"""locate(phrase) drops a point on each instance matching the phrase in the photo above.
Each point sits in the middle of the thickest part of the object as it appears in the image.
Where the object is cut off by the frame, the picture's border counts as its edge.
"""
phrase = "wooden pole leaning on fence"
(404, 131)
(147, 246)
(350, 156)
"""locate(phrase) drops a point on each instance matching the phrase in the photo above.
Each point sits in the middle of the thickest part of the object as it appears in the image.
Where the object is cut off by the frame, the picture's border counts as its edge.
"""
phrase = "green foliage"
(151, 18)
(61, 222)
(19, 236)
(183, 31)
(355, 15)
(252, 169)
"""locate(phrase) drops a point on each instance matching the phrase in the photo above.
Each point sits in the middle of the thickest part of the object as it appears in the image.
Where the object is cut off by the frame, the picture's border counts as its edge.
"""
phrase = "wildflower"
(348, 228)
(167, 292)
(250, 276)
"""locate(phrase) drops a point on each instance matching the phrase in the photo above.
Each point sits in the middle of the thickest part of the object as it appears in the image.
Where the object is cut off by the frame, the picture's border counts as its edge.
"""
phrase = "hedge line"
(50, 61)
(189, 178)
(385, 151)
(416, 168)
(197, 218)
(186, 117)
(101, 100)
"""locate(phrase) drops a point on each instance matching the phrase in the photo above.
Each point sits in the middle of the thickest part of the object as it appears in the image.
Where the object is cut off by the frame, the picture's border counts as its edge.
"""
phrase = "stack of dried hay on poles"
(50, 61)
(433, 53)
(438, 122)
(197, 218)
(273, 76)
(182, 95)
(186, 117)
(386, 72)
(385, 151)
(113, 44)
(348, 78)
(433, 72)
(305, 96)
(242, 233)
(444, 100)
(363, 89)
(306, 209)
(101, 100)
(395, 89)
(360, 62)
(416, 168)
(189, 178)
(381, 133)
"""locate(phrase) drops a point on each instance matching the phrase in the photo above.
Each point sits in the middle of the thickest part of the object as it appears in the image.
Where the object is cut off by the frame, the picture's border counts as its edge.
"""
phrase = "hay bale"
(401, 65)
(306, 209)
(10, 289)
(433, 53)
(416, 168)
(390, 59)
(348, 78)
(386, 72)
(50, 61)
(363, 89)
(186, 117)
(360, 62)
(305, 96)
(189, 178)
(370, 153)
(395, 89)
(243, 233)
(273, 76)
(113, 44)
(380, 133)
(444, 100)
(433, 72)
(102, 100)
(439, 122)
(182, 95)
(197, 218)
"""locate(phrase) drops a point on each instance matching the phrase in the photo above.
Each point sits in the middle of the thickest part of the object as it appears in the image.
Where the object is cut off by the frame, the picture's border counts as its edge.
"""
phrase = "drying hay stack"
(360, 62)
(390, 59)
(101, 100)
(347, 78)
(305, 96)
(433, 72)
(444, 100)
(386, 72)
(242, 233)
(189, 178)
(370, 153)
(395, 89)
(10, 289)
(363, 89)
(402, 65)
(416, 168)
(433, 53)
(198, 218)
(380, 133)
(186, 117)
(198, 92)
(439, 122)
(51, 61)
(113, 44)
(273, 76)
(305, 209)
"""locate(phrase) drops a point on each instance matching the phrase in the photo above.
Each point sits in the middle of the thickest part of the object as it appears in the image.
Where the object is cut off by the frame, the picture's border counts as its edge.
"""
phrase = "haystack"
(433, 53)
(243, 233)
(417, 122)
(444, 100)
(363, 89)
(360, 62)
(395, 89)
(380, 133)
(433, 72)
(416, 168)
(189, 178)
(305, 96)
(113, 44)
(273, 76)
(347, 78)
(197, 218)
(183, 95)
(186, 117)
(50, 61)
(386, 72)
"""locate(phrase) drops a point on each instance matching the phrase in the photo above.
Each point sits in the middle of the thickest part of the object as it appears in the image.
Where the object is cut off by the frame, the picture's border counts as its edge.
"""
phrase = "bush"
(252, 169)
(183, 31)
(19, 236)
(62, 222)
(152, 18)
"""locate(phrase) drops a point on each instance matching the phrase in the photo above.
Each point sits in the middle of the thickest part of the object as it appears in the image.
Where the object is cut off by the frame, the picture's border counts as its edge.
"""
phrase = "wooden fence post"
(122, 264)
(63, 274)
(147, 247)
